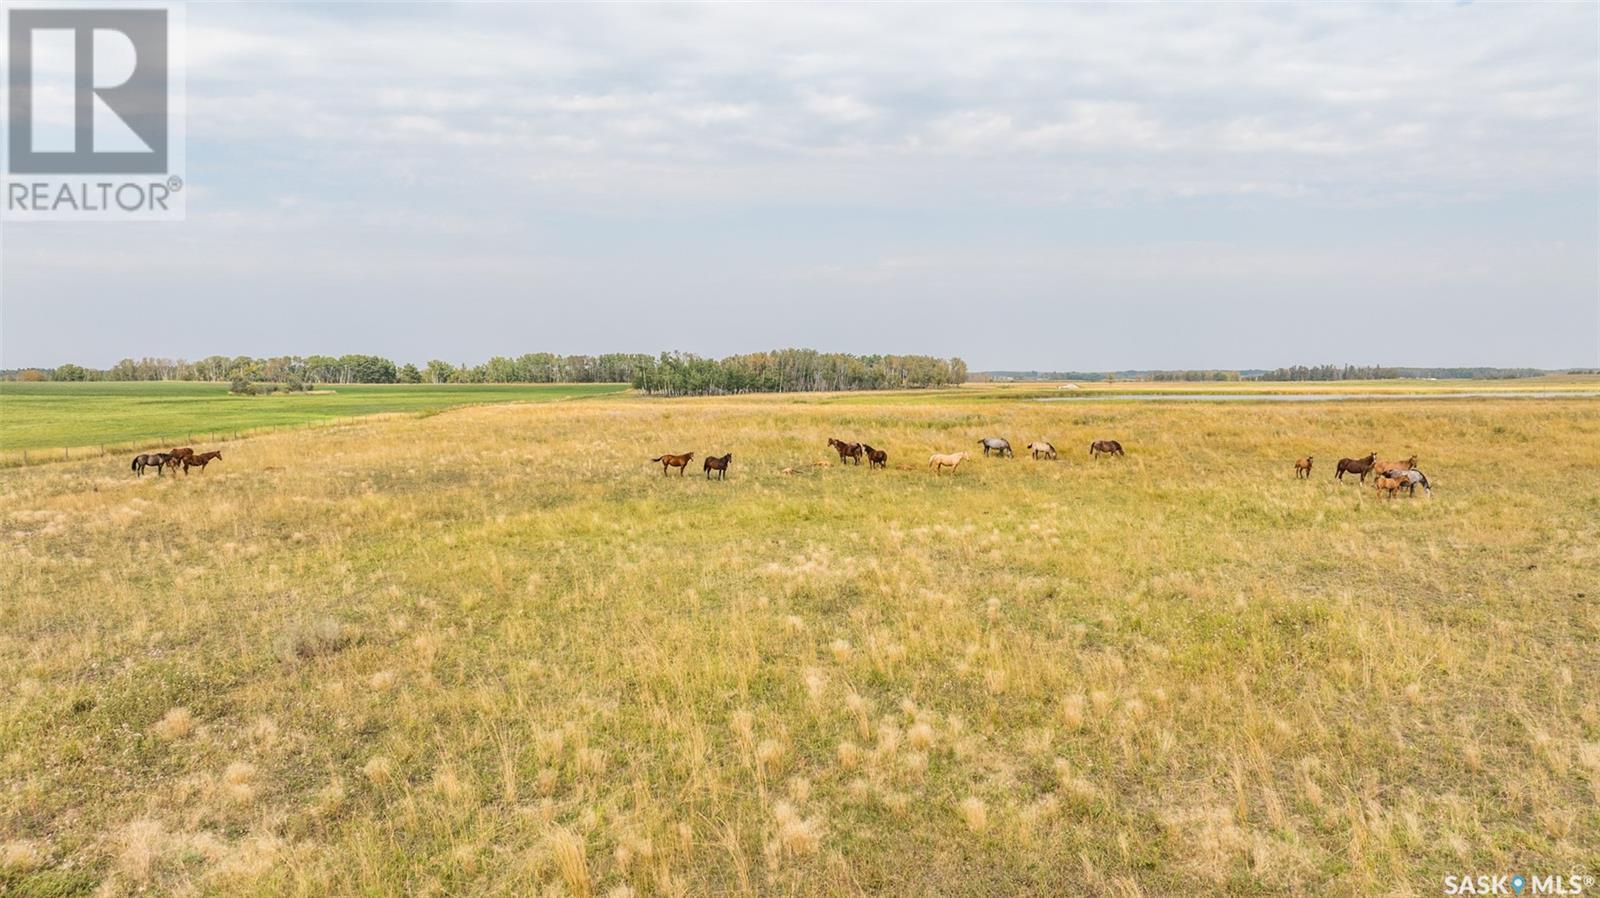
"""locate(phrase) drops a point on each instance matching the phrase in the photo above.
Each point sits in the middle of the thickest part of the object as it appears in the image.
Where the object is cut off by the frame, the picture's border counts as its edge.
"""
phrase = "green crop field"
(51, 417)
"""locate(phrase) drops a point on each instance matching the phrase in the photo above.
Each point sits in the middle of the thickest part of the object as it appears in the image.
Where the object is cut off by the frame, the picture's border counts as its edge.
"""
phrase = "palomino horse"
(951, 460)
(846, 450)
(200, 461)
(1041, 449)
(681, 462)
(157, 460)
(720, 465)
(876, 458)
(1105, 447)
(997, 446)
(1356, 466)
(1302, 468)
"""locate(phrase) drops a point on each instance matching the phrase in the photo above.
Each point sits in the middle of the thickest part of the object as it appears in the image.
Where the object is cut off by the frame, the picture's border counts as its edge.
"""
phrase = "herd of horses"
(174, 458)
(853, 452)
(1389, 476)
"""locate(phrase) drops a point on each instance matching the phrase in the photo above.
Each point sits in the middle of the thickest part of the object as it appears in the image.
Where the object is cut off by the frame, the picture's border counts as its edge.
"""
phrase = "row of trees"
(1376, 372)
(794, 370)
(671, 373)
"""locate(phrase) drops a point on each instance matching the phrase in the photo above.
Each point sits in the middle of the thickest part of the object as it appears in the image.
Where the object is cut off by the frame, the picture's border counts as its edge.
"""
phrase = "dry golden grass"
(495, 652)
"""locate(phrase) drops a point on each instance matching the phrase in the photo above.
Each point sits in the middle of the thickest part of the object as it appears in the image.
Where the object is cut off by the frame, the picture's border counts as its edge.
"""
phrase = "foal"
(720, 465)
(1042, 449)
(1302, 468)
(876, 458)
(681, 462)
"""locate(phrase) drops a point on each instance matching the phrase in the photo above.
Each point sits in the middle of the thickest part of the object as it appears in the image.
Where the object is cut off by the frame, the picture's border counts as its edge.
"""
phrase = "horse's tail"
(135, 465)
(658, 458)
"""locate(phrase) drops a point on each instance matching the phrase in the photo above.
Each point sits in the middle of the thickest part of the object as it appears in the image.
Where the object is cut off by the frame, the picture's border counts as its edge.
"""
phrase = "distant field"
(85, 416)
(534, 666)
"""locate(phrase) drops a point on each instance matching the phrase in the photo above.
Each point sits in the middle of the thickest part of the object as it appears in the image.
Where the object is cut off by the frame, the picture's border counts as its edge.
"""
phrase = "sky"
(1050, 187)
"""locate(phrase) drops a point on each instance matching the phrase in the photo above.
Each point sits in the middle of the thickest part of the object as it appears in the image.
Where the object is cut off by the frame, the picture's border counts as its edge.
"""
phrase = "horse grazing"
(950, 460)
(157, 460)
(1356, 466)
(1105, 447)
(846, 450)
(200, 461)
(1392, 484)
(876, 458)
(1410, 479)
(1302, 468)
(997, 446)
(681, 462)
(1041, 449)
(720, 465)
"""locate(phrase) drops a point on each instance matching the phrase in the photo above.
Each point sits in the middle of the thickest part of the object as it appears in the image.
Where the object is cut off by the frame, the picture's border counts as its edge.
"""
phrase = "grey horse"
(997, 446)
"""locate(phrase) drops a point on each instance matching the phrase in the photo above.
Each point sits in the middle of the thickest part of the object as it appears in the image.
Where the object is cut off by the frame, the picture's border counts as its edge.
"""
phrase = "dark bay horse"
(1356, 466)
(1107, 447)
(720, 465)
(876, 458)
(681, 462)
(158, 460)
(200, 461)
(846, 450)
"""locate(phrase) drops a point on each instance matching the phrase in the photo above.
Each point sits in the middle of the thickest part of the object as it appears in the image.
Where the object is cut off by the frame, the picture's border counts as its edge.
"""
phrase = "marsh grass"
(534, 666)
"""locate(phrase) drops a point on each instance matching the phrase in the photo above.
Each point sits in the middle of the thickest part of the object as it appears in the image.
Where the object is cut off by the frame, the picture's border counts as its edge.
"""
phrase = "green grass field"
(48, 417)
(534, 666)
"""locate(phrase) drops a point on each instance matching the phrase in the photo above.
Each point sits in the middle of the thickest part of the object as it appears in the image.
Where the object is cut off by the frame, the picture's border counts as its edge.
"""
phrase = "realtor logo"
(94, 109)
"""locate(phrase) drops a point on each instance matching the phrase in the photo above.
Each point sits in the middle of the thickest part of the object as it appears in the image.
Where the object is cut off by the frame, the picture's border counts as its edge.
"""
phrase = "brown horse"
(185, 452)
(681, 462)
(720, 465)
(200, 461)
(1356, 466)
(1392, 484)
(846, 450)
(876, 458)
(1302, 468)
(1108, 447)
(1404, 464)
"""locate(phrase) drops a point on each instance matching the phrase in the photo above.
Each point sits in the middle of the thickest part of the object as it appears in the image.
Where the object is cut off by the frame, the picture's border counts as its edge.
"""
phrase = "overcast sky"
(1046, 186)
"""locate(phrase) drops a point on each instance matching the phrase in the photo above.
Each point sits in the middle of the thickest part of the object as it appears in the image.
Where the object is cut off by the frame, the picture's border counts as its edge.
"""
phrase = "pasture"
(495, 652)
(52, 420)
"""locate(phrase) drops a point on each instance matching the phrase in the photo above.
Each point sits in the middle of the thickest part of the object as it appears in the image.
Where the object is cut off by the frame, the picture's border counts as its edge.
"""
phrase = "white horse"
(939, 462)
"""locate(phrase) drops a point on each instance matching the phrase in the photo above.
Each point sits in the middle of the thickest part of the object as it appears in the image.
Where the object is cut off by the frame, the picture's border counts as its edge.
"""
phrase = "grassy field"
(343, 663)
(49, 417)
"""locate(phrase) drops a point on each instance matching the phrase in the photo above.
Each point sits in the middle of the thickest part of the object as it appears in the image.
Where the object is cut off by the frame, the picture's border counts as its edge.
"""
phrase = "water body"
(1315, 397)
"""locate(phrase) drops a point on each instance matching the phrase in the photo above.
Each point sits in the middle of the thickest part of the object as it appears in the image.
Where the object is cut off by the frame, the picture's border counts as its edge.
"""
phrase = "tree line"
(670, 373)
(1378, 372)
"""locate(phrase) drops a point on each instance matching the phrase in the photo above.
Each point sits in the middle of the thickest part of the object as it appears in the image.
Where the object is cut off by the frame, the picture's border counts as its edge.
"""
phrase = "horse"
(1356, 466)
(1042, 448)
(876, 458)
(1107, 447)
(185, 452)
(1404, 464)
(158, 460)
(1302, 468)
(1385, 482)
(200, 461)
(998, 446)
(846, 450)
(950, 460)
(1410, 478)
(681, 462)
(720, 465)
